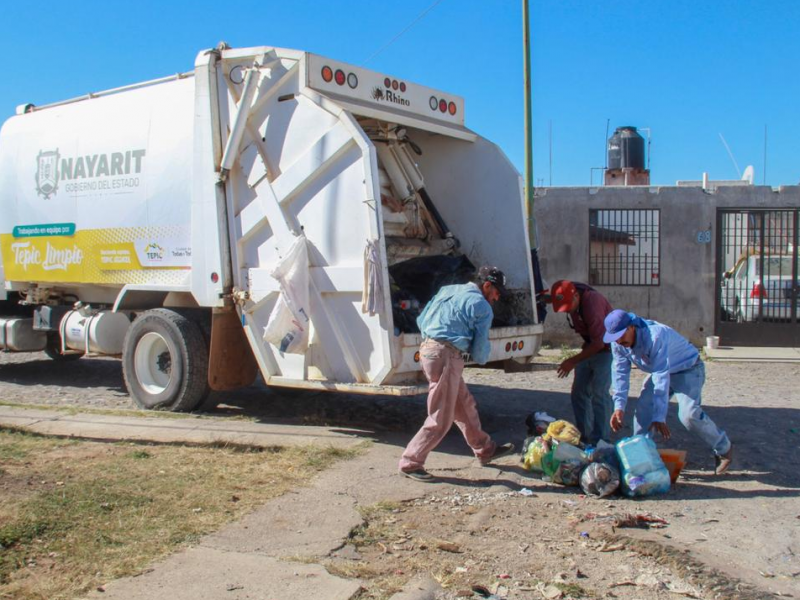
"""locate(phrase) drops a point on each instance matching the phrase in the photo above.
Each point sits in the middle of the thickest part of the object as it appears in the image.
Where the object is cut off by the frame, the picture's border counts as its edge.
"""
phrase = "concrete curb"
(146, 429)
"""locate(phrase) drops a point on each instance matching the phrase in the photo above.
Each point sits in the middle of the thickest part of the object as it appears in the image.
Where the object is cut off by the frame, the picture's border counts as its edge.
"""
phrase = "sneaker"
(499, 452)
(724, 461)
(418, 475)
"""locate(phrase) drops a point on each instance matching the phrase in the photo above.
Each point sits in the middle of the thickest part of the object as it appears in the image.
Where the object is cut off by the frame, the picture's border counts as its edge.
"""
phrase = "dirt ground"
(727, 537)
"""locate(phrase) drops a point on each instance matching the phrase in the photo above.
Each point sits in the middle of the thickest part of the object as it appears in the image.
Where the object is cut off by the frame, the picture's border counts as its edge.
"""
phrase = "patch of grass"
(16, 443)
(82, 513)
(140, 454)
(567, 352)
(573, 590)
(375, 528)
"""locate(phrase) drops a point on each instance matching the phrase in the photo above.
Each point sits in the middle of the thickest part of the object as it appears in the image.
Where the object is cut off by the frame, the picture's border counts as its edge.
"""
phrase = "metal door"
(757, 277)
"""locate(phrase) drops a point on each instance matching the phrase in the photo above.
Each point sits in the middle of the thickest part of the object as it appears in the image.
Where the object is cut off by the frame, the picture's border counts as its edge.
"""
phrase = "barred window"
(624, 247)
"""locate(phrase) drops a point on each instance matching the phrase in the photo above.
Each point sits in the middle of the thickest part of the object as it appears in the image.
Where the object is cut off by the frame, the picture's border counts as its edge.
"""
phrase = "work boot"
(499, 452)
(418, 475)
(723, 461)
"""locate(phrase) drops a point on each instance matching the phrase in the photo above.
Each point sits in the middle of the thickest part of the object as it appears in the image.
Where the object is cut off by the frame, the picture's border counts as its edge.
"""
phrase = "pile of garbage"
(633, 465)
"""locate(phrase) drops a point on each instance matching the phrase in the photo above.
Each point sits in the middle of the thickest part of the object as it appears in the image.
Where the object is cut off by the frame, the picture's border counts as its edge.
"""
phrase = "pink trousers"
(449, 401)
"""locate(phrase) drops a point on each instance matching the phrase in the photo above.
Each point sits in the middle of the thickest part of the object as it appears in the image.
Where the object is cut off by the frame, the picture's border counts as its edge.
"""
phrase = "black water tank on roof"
(626, 149)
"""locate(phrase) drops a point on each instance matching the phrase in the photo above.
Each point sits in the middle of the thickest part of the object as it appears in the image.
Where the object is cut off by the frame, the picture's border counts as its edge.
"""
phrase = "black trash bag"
(405, 310)
(417, 280)
(422, 277)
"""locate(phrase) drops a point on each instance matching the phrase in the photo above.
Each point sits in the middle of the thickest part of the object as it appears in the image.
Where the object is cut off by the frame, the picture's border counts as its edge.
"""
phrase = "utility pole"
(526, 42)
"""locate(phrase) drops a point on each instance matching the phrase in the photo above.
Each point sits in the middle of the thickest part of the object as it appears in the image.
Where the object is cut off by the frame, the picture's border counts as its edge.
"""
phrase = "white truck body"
(187, 191)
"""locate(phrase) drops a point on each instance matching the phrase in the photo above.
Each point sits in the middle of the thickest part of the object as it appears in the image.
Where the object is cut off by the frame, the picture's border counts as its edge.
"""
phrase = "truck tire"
(53, 349)
(165, 361)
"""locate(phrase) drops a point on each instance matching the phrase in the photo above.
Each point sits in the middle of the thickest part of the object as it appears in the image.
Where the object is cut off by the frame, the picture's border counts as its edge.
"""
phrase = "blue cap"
(617, 322)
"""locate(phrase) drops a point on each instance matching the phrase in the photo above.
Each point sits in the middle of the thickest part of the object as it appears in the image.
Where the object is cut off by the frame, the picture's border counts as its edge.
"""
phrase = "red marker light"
(451, 108)
(340, 77)
(387, 82)
(514, 346)
(402, 87)
(508, 346)
(443, 105)
(327, 74)
(214, 277)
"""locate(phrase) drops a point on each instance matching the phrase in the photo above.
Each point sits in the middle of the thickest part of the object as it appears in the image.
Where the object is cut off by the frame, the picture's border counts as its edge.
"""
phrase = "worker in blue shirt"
(456, 321)
(675, 368)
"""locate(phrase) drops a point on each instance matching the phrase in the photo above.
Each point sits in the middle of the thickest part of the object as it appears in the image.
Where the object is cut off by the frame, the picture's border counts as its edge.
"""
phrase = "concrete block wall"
(686, 295)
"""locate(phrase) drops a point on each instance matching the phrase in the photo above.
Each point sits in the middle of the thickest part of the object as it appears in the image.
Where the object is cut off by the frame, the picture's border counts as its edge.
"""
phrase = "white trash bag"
(288, 324)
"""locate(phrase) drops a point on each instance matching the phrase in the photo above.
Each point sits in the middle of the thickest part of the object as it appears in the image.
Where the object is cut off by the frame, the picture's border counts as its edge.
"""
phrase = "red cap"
(562, 293)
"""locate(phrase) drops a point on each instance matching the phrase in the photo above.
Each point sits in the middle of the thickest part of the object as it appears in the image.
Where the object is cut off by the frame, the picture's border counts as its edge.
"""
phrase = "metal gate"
(757, 277)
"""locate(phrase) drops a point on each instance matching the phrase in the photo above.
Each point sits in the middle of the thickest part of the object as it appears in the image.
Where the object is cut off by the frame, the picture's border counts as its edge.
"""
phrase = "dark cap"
(617, 322)
(494, 276)
(561, 294)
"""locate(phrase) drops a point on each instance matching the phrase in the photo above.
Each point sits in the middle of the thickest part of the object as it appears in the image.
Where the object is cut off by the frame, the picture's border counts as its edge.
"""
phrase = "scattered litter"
(606, 547)
(231, 587)
(600, 479)
(563, 431)
(622, 584)
(525, 492)
(683, 590)
(449, 547)
(580, 574)
(504, 576)
(584, 534)
(551, 592)
(499, 591)
(645, 520)
(643, 471)
(461, 569)
(570, 503)
(766, 574)
(649, 580)
(481, 591)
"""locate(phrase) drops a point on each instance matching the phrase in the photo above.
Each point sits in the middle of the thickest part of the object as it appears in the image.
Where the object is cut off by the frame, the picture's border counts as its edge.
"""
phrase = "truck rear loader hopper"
(146, 222)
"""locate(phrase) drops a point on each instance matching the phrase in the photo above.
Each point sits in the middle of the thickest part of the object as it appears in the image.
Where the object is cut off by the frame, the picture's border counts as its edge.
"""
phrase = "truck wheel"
(53, 349)
(165, 361)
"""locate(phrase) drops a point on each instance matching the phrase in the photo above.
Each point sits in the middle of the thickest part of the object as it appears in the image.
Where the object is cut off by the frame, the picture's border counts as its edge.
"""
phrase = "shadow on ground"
(766, 439)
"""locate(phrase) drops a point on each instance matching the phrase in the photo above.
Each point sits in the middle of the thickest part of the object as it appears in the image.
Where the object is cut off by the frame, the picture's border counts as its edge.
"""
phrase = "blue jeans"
(591, 400)
(686, 386)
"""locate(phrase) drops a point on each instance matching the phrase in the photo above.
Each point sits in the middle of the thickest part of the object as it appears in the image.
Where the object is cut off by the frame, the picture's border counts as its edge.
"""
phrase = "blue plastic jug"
(643, 471)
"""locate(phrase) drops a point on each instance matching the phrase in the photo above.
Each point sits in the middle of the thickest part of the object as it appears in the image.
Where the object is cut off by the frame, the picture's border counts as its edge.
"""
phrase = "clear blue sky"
(688, 70)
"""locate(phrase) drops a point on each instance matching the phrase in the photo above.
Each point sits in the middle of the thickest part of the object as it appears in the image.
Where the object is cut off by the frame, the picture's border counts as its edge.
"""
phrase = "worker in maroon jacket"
(586, 310)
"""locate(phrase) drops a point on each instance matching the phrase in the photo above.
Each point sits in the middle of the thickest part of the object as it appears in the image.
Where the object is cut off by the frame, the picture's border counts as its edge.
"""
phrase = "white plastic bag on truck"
(287, 328)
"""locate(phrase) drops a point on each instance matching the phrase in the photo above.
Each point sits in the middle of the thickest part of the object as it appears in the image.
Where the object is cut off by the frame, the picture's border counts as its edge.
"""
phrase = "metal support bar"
(239, 122)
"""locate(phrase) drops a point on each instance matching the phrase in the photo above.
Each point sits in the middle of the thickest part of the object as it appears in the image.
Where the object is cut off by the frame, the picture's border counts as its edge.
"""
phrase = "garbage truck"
(153, 222)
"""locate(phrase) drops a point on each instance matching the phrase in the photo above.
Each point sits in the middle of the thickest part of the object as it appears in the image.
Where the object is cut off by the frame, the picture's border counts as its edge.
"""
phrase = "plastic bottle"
(643, 471)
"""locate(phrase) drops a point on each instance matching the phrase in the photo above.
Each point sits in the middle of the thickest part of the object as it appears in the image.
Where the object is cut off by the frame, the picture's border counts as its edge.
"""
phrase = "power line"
(409, 26)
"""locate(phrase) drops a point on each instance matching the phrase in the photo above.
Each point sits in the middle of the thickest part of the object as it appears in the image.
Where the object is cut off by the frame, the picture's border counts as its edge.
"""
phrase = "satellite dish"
(749, 174)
